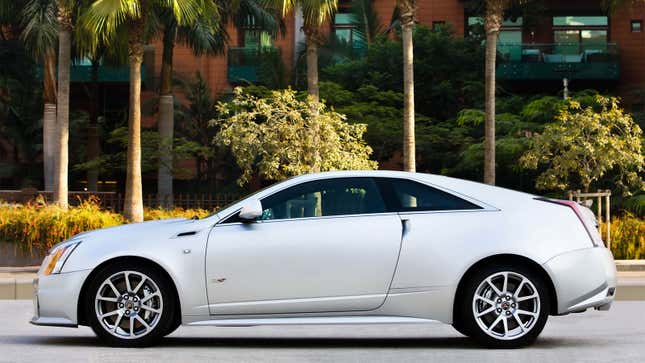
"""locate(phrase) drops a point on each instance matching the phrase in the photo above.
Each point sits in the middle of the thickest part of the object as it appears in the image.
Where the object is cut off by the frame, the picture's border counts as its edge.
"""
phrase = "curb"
(630, 265)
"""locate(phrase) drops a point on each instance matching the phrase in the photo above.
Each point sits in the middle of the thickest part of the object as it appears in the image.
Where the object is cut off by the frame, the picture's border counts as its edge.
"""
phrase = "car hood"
(163, 228)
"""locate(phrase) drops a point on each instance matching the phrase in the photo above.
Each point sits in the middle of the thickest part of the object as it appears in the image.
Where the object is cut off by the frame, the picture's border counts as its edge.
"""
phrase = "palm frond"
(40, 26)
(367, 24)
(316, 12)
(104, 17)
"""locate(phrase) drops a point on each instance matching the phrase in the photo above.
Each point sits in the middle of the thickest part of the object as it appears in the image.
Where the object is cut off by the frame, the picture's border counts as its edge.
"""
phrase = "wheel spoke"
(149, 297)
(505, 323)
(524, 298)
(108, 299)
(488, 301)
(505, 284)
(131, 327)
(143, 322)
(118, 322)
(127, 282)
(146, 307)
(489, 310)
(110, 313)
(518, 320)
(117, 293)
(499, 318)
(524, 312)
(516, 294)
(136, 289)
(490, 283)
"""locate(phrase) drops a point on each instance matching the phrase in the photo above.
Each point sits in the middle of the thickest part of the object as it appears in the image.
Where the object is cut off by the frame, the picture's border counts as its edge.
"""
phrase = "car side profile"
(349, 247)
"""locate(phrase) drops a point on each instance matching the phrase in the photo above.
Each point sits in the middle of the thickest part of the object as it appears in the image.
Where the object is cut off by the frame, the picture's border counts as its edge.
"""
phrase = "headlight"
(56, 257)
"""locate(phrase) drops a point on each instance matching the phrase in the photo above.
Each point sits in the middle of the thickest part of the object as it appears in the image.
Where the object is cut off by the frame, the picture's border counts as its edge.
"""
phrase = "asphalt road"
(614, 336)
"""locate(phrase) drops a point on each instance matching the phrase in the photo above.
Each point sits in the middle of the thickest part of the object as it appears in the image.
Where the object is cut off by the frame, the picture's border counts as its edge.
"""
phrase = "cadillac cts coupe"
(355, 247)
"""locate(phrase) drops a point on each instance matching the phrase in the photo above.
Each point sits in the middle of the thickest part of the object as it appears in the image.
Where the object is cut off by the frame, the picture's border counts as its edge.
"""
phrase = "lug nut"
(508, 313)
(126, 297)
(121, 305)
(127, 312)
(135, 299)
(499, 310)
(513, 305)
(499, 300)
(136, 308)
(508, 297)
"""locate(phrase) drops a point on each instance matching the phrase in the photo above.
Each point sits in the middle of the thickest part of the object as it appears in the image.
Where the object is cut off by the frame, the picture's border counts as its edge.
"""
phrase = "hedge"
(36, 227)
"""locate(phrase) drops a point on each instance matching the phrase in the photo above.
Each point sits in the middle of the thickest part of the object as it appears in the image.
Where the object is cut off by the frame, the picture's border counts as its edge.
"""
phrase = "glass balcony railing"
(593, 61)
(244, 64)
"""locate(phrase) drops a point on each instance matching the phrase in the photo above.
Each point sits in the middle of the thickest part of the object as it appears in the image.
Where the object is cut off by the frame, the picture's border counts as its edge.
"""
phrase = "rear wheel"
(129, 305)
(504, 306)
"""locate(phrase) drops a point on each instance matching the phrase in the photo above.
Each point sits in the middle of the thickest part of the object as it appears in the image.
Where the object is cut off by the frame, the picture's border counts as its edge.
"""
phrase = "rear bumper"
(583, 279)
(56, 298)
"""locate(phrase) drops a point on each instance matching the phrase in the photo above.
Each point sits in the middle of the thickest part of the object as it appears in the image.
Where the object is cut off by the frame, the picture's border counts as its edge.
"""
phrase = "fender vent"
(184, 234)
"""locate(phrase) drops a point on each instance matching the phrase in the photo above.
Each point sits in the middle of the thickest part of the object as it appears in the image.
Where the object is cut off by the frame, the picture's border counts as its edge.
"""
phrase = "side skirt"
(337, 320)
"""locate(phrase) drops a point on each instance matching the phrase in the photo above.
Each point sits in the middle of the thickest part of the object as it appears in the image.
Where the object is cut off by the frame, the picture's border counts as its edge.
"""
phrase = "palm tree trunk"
(312, 66)
(62, 110)
(93, 145)
(407, 25)
(166, 123)
(133, 204)
(494, 18)
(49, 118)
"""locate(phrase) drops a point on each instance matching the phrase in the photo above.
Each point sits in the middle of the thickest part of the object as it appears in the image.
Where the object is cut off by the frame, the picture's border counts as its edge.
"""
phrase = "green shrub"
(36, 227)
(627, 237)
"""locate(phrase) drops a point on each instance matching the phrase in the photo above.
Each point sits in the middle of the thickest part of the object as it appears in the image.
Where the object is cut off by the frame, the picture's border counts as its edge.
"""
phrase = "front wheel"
(505, 306)
(129, 305)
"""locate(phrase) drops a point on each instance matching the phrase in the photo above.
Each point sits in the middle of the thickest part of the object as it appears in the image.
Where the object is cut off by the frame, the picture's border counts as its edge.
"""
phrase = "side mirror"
(251, 210)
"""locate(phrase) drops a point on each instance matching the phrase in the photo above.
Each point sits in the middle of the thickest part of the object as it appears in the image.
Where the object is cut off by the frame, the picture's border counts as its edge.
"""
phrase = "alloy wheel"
(506, 305)
(128, 305)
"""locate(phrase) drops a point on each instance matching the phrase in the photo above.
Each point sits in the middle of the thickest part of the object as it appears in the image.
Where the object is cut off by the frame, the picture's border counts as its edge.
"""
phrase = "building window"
(637, 26)
(345, 30)
(509, 40)
(253, 37)
(579, 35)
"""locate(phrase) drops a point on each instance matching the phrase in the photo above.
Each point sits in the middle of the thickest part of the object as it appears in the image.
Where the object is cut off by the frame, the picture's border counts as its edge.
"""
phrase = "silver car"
(354, 247)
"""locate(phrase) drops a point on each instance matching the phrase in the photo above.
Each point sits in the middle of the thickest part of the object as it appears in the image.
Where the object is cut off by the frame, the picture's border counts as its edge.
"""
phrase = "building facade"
(575, 39)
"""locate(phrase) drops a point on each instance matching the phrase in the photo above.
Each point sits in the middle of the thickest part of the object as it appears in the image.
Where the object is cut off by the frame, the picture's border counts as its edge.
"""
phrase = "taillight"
(590, 225)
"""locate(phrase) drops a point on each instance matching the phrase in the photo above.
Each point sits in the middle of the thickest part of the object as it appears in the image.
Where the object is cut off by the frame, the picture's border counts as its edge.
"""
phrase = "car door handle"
(405, 227)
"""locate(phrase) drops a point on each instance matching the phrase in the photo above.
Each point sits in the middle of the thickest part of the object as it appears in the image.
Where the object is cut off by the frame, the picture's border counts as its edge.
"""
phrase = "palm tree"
(315, 13)
(39, 33)
(407, 9)
(131, 18)
(61, 155)
(204, 36)
(494, 16)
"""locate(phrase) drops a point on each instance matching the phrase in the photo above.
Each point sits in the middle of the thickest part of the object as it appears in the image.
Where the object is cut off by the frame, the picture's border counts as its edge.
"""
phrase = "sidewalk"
(16, 282)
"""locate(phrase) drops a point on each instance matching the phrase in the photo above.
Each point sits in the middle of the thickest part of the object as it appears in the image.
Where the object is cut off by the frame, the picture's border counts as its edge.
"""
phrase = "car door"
(320, 246)
(440, 228)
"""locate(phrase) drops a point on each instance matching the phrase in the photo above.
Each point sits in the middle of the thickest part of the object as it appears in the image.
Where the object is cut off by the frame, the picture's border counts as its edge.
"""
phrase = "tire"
(133, 314)
(500, 314)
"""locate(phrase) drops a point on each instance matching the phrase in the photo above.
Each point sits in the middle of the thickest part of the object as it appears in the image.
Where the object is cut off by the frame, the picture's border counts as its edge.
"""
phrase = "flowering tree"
(281, 136)
(584, 144)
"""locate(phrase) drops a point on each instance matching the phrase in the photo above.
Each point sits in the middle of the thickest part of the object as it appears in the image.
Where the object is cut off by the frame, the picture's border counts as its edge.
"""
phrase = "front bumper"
(583, 279)
(56, 298)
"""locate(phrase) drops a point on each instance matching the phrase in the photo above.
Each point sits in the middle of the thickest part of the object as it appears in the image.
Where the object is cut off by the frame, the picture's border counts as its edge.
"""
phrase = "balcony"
(245, 64)
(556, 61)
(83, 73)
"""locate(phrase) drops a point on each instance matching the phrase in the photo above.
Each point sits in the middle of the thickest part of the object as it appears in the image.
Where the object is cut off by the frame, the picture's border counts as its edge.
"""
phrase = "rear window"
(403, 195)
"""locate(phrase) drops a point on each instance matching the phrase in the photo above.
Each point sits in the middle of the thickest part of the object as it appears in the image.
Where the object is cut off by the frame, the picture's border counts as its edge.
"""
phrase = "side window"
(405, 195)
(320, 198)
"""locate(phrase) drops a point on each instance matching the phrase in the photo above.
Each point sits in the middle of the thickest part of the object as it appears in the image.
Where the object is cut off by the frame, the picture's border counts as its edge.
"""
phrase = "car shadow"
(300, 343)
